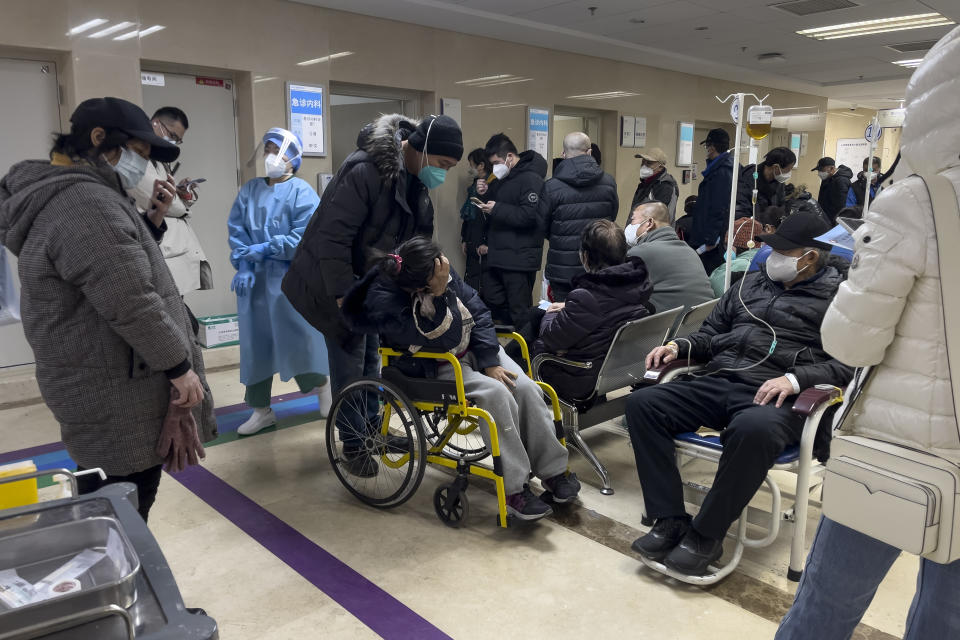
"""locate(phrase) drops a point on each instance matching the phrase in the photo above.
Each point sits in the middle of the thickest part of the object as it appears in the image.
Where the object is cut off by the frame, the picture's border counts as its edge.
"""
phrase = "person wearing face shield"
(379, 198)
(117, 362)
(773, 174)
(265, 226)
(762, 346)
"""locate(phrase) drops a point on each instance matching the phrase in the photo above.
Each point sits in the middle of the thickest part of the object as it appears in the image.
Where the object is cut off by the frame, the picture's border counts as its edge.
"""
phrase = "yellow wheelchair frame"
(462, 419)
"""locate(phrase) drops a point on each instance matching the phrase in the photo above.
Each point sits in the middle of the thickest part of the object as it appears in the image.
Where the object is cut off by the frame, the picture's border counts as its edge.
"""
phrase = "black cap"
(798, 231)
(115, 113)
(446, 139)
(719, 136)
(824, 162)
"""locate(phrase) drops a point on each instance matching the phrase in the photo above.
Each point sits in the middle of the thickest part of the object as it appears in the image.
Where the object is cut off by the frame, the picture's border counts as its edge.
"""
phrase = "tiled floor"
(570, 577)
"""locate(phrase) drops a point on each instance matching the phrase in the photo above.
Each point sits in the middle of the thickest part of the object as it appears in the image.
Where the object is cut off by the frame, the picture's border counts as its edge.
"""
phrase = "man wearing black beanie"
(378, 199)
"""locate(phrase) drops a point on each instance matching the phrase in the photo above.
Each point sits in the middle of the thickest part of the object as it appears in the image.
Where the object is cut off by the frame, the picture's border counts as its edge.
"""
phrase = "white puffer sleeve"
(890, 255)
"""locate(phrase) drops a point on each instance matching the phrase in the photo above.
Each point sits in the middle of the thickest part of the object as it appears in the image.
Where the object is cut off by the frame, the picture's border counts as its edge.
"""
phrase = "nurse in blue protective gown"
(265, 225)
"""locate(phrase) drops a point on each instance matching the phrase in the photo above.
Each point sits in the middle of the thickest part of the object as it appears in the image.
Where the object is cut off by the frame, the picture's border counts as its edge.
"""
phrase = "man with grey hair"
(578, 193)
(676, 272)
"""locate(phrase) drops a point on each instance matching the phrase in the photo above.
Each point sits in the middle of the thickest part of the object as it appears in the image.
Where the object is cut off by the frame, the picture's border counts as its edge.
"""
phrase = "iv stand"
(728, 258)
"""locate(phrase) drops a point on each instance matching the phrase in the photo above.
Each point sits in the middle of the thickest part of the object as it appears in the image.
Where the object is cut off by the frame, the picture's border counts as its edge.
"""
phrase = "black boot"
(694, 554)
(665, 535)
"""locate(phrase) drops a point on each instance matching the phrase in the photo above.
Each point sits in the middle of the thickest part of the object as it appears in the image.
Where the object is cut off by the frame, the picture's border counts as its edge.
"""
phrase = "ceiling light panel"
(141, 34)
(606, 95)
(120, 26)
(909, 64)
(881, 25)
(332, 56)
(86, 26)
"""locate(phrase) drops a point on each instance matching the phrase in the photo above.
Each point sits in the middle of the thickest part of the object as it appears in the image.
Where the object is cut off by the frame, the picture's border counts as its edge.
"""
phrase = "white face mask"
(131, 168)
(782, 268)
(501, 170)
(646, 172)
(275, 167)
(783, 178)
(823, 174)
(630, 233)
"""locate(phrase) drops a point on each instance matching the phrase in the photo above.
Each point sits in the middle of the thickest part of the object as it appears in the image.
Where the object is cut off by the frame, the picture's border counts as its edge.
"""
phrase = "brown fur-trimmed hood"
(381, 140)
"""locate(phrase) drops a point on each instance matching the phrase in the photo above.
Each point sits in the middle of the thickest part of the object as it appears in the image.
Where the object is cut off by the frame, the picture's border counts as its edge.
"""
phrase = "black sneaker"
(562, 488)
(527, 506)
(358, 462)
(694, 554)
(663, 537)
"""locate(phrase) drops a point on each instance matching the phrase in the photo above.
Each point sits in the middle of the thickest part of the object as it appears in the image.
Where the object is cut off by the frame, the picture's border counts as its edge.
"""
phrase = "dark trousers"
(472, 271)
(147, 481)
(509, 295)
(359, 359)
(753, 437)
(711, 259)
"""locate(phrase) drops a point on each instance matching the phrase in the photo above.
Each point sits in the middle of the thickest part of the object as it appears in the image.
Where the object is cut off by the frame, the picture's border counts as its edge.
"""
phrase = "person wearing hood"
(117, 361)
(613, 290)
(578, 194)
(379, 198)
(712, 210)
(675, 270)
(891, 315)
(656, 185)
(514, 230)
(772, 176)
(762, 346)
(265, 226)
(834, 185)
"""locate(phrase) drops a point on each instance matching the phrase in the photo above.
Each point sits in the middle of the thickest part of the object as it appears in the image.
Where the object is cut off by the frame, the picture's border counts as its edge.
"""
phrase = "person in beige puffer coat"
(889, 315)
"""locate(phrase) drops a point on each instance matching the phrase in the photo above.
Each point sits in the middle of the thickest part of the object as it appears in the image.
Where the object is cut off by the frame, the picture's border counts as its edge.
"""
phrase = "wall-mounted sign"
(891, 118)
(305, 117)
(640, 132)
(153, 79)
(851, 152)
(627, 131)
(685, 144)
(873, 132)
(538, 130)
(210, 82)
(795, 139)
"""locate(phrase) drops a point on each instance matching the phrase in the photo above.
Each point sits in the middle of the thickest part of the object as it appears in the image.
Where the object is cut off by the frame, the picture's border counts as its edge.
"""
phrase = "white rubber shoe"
(260, 419)
(325, 399)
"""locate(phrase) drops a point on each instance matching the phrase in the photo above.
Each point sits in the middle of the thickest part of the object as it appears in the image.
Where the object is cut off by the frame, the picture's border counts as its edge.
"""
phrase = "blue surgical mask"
(432, 177)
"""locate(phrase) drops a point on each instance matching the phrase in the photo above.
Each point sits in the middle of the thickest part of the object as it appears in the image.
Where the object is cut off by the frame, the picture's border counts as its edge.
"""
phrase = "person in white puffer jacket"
(889, 315)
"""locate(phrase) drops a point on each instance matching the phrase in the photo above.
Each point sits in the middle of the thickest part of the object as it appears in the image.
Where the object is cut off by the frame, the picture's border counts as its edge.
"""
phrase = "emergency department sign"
(538, 131)
(305, 117)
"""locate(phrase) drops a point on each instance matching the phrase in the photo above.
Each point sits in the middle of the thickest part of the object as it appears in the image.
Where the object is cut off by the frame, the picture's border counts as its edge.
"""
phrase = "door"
(29, 115)
(209, 151)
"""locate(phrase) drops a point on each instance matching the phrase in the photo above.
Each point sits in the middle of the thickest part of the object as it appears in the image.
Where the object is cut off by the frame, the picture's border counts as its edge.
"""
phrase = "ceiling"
(670, 34)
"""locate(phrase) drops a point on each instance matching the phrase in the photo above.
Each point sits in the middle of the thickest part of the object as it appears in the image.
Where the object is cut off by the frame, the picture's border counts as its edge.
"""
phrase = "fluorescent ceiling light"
(795, 108)
(86, 26)
(109, 30)
(909, 64)
(500, 82)
(504, 106)
(264, 78)
(502, 76)
(332, 56)
(144, 33)
(606, 95)
(881, 25)
(487, 104)
(494, 81)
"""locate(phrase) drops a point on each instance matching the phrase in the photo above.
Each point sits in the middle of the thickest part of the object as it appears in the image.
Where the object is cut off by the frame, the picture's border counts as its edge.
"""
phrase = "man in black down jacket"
(773, 174)
(751, 372)
(579, 193)
(377, 200)
(712, 210)
(514, 230)
(834, 185)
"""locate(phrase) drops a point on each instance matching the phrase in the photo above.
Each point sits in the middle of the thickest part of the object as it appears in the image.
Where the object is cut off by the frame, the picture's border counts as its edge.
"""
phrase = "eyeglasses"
(170, 135)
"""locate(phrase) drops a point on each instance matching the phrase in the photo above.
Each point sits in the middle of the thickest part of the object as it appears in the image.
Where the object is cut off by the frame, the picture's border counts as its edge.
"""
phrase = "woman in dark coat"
(612, 292)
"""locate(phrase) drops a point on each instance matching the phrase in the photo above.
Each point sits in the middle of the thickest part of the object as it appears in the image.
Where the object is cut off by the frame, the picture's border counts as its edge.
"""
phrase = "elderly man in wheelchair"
(761, 345)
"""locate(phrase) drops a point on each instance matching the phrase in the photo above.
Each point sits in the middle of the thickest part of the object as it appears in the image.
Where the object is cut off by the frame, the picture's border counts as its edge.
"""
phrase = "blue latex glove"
(243, 281)
(256, 252)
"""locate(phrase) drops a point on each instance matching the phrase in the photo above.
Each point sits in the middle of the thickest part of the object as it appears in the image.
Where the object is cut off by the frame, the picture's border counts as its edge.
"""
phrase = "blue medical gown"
(274, 338)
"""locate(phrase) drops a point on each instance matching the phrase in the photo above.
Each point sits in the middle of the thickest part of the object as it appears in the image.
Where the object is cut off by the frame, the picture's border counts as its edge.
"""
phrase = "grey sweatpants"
(525, 428)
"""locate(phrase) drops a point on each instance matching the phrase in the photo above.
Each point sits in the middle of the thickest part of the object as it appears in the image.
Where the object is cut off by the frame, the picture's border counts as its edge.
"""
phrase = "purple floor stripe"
(29, 452)
(370, 604)
(219, 411)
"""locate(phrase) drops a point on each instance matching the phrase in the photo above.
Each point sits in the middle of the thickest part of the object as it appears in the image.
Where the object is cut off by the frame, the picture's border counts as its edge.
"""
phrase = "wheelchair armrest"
(814, 398)
(669, 371)
(547, 357)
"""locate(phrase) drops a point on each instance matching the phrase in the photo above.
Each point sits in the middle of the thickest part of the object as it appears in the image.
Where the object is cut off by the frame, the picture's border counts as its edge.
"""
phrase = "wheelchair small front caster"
(451, 505)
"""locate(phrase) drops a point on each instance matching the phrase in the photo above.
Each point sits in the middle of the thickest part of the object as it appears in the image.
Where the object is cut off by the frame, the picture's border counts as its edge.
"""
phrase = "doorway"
(568, 121)
(29, 116)
(209, 151)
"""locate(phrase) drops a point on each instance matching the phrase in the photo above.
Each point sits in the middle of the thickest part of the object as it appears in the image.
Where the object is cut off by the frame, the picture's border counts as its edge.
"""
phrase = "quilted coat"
(889, 313)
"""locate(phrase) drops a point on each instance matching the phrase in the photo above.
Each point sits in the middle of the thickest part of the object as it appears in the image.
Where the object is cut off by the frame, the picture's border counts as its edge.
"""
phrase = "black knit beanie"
(446, 138)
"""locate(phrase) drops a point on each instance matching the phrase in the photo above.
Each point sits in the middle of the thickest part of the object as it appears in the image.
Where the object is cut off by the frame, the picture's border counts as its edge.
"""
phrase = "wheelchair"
(402, 423)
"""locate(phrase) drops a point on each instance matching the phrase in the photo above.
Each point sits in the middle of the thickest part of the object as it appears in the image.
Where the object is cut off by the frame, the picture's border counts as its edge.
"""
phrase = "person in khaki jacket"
(889, 315)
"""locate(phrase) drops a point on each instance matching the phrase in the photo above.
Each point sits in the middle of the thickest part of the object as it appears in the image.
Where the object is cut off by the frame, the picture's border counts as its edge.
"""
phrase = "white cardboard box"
(219, 331)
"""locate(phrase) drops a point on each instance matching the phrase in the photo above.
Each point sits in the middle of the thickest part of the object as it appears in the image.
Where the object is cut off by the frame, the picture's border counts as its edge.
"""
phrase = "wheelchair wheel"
(375, 442)
(451, 505)
(466, 443)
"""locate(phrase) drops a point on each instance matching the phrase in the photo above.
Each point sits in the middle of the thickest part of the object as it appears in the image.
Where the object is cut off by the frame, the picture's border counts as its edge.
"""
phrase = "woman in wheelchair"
(416, 302)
